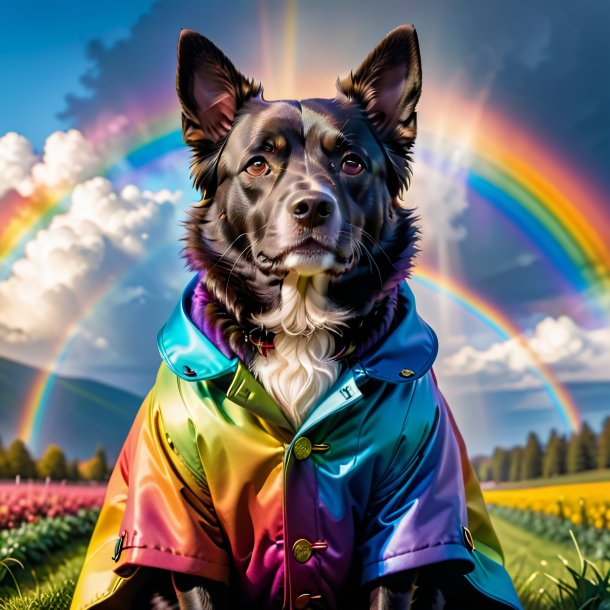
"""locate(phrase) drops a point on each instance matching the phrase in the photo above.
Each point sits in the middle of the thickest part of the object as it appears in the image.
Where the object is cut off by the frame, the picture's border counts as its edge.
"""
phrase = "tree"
(500, 464)
(95, 469)
(73, 473)
(53, 464)
(3, 472)
(582, 450)
(482, 467)
(603, 449)
(516, 464)
(19, 461)
(554, 460)
(531, 466)
(485, 473)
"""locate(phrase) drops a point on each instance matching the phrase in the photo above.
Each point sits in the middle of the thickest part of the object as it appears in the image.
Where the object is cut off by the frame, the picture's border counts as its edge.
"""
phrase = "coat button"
(118, 547)
(468, 539)
(302, 448)
(302, 601)
(406, 373)
(301, 550)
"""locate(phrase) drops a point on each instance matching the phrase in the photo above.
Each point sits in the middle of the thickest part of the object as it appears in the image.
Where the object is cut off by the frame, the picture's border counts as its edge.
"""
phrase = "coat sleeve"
(428, 512)
(417, 515)
(156, 514)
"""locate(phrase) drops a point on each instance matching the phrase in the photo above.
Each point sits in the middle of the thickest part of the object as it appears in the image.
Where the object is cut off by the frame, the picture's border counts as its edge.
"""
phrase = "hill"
(77, 414)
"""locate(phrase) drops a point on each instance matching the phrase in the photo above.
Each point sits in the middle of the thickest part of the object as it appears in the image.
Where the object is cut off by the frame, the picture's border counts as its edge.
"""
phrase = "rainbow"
(35, 405)
(535, 189)
(495, 319)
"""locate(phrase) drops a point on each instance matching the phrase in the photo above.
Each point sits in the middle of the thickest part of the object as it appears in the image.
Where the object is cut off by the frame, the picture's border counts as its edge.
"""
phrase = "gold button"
(406, 373)
(301, 550)
(468, 539)
(302, 600)
(302, 448)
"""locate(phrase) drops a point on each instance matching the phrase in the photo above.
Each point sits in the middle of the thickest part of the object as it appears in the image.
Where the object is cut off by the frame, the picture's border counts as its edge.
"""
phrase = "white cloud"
(574, 353)
(64, 264)
(438, 188)
(16, 161)
(68, 158)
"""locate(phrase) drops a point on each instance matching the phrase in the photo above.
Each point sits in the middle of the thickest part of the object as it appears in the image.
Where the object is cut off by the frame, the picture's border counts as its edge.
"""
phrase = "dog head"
(304, 187)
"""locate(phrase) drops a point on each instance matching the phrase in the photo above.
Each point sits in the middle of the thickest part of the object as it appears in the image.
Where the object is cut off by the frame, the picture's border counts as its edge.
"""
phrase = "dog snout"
(313, 210)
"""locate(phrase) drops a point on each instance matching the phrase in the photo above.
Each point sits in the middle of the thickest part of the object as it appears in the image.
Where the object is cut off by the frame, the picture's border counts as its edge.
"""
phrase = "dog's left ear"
(388, 85)
(210, 88)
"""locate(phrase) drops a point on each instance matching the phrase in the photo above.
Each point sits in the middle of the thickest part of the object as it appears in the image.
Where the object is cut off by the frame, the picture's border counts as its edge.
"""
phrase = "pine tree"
(73, 471)
(484, 471)
(582, 451)
(19, 461)
(3, 472)
(531, 466)
(95, 469)
(53, 464)
(590, 445)
(554, 460)
(603, 449)
(516, 464)
(500, 464)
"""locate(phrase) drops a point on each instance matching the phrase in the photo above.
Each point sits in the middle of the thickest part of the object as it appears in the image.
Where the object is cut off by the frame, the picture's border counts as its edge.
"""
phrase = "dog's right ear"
(210, 89)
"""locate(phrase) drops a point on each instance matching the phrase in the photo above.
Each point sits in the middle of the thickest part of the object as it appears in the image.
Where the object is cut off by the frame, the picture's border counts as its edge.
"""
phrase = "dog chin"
(310, 264)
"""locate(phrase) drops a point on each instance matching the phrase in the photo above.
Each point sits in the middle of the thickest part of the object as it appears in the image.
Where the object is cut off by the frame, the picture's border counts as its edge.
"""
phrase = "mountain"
(77, 414)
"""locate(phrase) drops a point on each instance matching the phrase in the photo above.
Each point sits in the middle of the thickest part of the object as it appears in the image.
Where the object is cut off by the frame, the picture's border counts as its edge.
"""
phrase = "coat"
(212, 481)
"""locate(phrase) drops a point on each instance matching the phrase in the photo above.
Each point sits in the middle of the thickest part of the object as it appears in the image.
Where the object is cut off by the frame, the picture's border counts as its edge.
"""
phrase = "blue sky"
(544, 66)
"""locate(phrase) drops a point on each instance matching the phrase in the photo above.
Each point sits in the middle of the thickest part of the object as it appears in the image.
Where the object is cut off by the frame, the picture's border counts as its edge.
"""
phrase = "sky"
(510, 180)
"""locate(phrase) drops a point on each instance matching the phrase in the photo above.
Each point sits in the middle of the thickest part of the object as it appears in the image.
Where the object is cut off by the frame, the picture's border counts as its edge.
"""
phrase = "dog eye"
(352, 165)
(257, 167)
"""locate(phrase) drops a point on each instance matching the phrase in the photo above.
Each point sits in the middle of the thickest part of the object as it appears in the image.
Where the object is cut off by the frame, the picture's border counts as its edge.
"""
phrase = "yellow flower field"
(583, 504)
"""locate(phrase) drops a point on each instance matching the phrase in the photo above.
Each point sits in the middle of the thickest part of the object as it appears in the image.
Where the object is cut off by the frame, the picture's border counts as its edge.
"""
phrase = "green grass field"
(47, 587)
(525, 553)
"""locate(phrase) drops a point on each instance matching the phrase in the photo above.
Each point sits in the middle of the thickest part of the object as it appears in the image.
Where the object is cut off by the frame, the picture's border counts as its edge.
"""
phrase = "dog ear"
(388, 85)
(210, 89)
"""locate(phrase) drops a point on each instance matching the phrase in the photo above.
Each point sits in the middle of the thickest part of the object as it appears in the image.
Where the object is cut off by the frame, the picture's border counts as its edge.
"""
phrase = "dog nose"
(313, 211)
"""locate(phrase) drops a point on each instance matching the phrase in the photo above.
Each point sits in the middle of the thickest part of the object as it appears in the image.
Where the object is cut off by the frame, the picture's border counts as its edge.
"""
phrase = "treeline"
(583, 450)
(16, 460)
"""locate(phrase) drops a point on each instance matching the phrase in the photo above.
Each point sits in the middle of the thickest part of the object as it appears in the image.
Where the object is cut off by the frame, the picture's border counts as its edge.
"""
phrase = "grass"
(589, 476)
(550, 575)
(47, 587)
(526, 553)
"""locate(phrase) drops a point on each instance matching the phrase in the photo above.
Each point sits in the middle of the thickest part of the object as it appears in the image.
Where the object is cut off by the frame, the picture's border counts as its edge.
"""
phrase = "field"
(44, 531)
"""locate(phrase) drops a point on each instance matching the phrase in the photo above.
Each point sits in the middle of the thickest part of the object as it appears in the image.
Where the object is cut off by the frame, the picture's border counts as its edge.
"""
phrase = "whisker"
(374, 241)
(372, 260)
(228, 248)
(248, 247)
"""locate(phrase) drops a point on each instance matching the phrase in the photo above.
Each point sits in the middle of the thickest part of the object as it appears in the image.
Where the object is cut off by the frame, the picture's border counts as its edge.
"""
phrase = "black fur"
(230, 235)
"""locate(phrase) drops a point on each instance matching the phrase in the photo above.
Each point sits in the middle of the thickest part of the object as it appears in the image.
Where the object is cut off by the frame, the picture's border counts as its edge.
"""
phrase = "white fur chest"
(300, 367)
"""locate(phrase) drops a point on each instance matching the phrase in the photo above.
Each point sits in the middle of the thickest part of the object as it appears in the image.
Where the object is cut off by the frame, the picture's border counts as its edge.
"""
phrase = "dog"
(298, 461)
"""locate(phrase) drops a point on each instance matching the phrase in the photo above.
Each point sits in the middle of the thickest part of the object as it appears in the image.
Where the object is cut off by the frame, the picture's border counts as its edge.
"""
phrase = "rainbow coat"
(213, 481)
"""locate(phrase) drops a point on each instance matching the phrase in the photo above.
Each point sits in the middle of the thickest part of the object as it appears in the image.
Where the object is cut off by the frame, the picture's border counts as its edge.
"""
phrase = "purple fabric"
(200, 300)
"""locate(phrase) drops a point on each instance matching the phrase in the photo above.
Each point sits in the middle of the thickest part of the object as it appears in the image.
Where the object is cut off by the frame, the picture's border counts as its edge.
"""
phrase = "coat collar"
(406, 354)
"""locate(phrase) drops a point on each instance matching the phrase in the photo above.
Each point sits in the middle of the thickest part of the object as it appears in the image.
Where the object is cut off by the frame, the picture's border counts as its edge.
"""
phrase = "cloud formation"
(102, 233)
(438, 189)
(16, 161)
(68, 158)
(573, 352)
